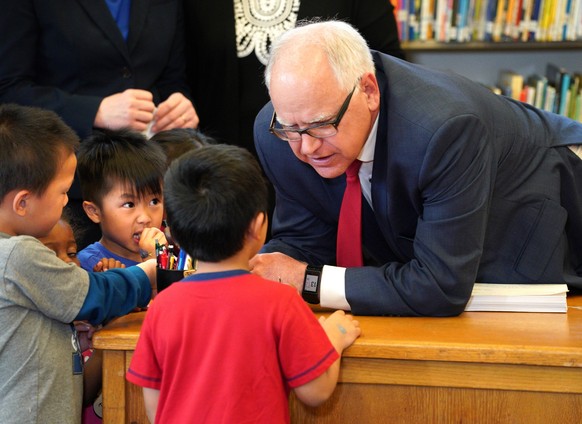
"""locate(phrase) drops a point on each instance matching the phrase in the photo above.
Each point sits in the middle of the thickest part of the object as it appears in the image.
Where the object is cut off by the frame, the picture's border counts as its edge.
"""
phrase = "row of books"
(489, 20)
(557, 91)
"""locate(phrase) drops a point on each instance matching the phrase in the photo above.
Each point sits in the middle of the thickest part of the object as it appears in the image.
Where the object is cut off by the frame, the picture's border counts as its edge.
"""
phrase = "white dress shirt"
(333, 283)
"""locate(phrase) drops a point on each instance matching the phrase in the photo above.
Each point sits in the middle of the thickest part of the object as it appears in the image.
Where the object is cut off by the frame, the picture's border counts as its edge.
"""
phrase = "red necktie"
(349, 231)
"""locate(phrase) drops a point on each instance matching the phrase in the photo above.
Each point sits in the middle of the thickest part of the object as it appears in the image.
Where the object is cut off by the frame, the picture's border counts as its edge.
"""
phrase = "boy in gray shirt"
(41, 371)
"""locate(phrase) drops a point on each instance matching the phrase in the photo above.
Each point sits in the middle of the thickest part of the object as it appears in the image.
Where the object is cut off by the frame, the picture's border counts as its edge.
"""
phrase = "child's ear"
(257, 229)
(92, 211)
(20, 202)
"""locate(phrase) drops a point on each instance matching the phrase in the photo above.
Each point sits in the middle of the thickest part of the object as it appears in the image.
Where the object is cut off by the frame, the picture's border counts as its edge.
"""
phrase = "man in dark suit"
(459, 185)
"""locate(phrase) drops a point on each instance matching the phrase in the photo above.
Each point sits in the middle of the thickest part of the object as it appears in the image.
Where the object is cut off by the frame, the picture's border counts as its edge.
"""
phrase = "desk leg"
(114, 387)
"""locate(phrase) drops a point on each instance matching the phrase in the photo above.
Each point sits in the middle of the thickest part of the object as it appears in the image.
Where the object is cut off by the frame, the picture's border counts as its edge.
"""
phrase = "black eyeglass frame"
(335, 123)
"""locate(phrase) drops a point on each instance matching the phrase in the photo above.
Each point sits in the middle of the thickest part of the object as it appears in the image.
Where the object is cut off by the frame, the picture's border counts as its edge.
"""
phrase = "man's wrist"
(312, 284)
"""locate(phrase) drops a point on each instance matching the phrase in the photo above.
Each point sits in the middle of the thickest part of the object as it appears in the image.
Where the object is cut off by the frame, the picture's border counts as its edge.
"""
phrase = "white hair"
(346, 50)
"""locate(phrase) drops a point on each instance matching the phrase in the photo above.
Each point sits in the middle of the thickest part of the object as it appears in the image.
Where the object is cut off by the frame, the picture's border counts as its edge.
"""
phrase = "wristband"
(311, 284)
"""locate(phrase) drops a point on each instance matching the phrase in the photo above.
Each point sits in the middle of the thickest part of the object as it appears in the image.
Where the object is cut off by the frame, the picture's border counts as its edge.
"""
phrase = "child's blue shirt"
(92, 254)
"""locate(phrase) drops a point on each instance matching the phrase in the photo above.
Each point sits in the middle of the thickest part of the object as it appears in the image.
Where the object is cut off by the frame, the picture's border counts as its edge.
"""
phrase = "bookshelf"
(481, 39)
(478, 38)
(436, 46)
(481, 61)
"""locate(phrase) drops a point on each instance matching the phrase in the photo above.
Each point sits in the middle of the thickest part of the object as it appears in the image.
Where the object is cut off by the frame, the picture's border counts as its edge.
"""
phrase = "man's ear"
(21, 201)
(92, 211)
(369, 85)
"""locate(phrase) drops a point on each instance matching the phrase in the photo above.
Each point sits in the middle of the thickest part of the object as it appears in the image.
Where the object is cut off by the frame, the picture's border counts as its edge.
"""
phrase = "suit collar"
(99, 13)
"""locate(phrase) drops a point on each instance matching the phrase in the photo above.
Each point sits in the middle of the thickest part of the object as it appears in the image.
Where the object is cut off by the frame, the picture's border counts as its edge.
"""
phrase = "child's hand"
(106, 264)
(342, 329)
(147, 241)
(85, 333)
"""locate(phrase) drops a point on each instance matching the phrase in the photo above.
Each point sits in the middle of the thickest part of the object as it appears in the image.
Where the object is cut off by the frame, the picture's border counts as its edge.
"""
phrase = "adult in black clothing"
(99, 63)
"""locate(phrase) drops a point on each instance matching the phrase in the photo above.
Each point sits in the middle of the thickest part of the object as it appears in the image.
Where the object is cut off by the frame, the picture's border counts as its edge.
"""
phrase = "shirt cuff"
(333, 288)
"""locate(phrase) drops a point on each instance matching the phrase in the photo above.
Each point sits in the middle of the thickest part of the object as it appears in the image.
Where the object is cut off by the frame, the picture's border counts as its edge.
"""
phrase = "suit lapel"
(137, 19)
(380, 191)
(99, 13)
(379, 184)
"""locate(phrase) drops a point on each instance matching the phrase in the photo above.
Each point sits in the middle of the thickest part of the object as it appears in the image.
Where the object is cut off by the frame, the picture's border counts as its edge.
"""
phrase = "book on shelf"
(526, 22)
(574, 21)
(427, 10)
(518, 298)
(511, 83)
(539, 83)
(479, 20)
(559, 78)
(550, 98)
(575, 97)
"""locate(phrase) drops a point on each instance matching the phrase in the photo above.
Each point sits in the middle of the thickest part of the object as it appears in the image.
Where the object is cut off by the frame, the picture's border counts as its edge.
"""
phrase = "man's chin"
(328, 172)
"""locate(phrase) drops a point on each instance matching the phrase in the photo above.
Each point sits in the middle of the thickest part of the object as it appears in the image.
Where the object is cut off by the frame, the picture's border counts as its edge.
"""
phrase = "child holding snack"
(121, 177)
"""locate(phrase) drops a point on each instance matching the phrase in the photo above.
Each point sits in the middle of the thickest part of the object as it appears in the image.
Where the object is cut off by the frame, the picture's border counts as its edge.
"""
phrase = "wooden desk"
(480, 367)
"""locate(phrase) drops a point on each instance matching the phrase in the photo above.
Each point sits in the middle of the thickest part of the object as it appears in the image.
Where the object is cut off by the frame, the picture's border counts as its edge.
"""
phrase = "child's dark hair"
(211, 195)
(124, 157)
(178, 141)
(77, 229)
(33, 145)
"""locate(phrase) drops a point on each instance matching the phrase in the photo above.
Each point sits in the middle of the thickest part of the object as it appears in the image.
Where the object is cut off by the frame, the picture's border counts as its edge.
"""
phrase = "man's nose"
(309, 144)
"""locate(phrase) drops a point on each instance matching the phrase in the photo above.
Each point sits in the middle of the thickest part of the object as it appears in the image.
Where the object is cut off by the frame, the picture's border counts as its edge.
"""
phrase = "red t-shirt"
(227, 348)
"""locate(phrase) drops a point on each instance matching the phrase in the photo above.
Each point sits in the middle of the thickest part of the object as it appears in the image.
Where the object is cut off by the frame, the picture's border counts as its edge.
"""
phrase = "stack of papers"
(518, 298)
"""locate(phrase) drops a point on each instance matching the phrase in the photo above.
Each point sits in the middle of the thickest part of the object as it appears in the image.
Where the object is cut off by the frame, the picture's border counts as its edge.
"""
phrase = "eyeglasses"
(322, 130)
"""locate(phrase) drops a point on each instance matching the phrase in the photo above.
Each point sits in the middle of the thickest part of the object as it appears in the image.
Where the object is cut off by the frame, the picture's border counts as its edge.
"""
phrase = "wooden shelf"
(435, 46)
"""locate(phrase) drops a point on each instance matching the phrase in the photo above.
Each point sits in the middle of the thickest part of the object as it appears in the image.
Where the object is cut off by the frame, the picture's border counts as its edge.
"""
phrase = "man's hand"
(279, 267)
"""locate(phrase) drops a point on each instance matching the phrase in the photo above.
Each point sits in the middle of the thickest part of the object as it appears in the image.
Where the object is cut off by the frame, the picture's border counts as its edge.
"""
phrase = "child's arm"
(151, 397)
(342, 330)
(117, 292)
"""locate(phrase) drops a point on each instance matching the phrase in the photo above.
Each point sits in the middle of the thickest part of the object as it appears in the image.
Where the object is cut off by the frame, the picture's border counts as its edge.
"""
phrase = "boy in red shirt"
(224, 345)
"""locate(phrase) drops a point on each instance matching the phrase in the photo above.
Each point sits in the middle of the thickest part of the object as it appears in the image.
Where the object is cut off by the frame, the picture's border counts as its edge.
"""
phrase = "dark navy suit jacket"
(467, 186)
